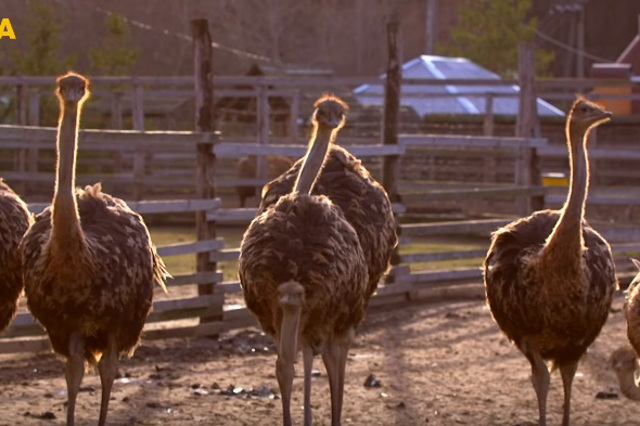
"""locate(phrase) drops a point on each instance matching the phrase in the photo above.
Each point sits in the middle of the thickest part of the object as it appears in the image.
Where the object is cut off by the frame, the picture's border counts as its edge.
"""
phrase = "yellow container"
(555, 179)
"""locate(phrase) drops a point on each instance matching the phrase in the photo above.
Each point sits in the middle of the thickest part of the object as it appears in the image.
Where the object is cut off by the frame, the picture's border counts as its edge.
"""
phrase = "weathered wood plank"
(471, 142)
(594, 154)
(435, 276)
(224, 255)
(209, 277)
(473, 193)
(484, 226)
(443, 255)
(25, 325)
(157, 207)
(594, 199)
(204, 329)
(232, 215)
(191, 248)
(125, 140)
(238, 150)
(171, 310)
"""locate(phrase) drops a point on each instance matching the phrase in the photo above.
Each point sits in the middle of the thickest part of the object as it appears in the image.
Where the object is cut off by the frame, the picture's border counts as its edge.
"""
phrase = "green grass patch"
(186, 264)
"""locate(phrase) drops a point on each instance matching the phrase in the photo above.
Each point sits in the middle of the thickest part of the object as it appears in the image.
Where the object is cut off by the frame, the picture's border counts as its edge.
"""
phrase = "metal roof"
(440, 67)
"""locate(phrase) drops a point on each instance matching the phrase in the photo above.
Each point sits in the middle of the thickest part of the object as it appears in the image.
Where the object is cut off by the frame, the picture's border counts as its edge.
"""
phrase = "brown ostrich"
(89, 265)
(304, 274)
(363, 201)
(549, 278)
(623, 360)
(247, 166)
(15, 219)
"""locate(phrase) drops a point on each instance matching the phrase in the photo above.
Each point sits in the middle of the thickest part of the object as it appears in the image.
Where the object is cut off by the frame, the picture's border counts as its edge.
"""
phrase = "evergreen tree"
(114, 57)
(489, 32)
(41, 55)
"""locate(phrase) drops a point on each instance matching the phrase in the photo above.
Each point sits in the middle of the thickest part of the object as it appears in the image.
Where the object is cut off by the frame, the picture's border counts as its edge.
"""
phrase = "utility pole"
(430, 24)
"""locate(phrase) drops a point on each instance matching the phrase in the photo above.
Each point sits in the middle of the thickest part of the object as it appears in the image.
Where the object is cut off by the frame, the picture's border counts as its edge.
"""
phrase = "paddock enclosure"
(449, 190)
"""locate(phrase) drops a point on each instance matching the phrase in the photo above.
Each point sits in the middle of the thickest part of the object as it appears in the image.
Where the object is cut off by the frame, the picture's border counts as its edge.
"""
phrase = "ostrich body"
(363, 201)
(247, 166)
(15, 219)
(304, 275)
(89, 265)
(624, 360)
(549, 278)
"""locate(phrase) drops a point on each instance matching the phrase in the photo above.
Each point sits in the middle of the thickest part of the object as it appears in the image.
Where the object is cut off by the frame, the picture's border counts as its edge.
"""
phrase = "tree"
(41, 55)
(114, 57)
(488, 32)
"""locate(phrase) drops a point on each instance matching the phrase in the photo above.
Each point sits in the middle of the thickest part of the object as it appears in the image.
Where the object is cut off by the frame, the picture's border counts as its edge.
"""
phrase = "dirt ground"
(442, 363)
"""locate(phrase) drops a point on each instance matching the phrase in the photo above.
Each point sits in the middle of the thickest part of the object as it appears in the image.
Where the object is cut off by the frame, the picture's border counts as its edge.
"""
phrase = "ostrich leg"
(74, 371)
(567, 371)
(540, 379)
(307, 355)
(108, 367)
(334, 356)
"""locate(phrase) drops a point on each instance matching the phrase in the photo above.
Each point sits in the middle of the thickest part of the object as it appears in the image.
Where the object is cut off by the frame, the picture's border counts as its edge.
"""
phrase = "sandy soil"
(443, 363)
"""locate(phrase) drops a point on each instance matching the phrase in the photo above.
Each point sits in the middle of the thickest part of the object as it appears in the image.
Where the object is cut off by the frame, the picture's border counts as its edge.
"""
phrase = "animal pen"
(153, 171)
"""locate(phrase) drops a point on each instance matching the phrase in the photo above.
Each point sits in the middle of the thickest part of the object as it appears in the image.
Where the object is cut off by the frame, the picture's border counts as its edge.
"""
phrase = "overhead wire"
(182, 36)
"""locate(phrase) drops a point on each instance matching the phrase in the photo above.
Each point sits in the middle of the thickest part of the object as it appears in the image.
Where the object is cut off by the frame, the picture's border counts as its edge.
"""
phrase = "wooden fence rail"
(177, 316)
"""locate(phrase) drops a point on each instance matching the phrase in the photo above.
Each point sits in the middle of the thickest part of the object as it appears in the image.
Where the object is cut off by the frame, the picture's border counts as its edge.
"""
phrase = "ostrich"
(89, 265)
(349, 185)
(623, 360)
(304, 275)
(549, 278)
(15, 219)
(625, 364)
(276, 165)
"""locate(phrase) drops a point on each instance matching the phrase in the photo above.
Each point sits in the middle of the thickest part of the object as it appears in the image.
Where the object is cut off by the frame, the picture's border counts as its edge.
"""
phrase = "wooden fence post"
(390, 165)
(528, 126)
(21, 104)
(390, 169)
(140, 155)
(117, 124)
(32, 153)
(490, 160)
(205, 122)
(262, 117)
(488, 114)
(294, 113)
(21, 115)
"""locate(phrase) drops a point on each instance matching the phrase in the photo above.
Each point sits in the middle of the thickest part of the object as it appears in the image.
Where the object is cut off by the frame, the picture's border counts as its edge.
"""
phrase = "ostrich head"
(291, 294)
(330, 112)
(623, 359)
(72, 88)
(585, 115)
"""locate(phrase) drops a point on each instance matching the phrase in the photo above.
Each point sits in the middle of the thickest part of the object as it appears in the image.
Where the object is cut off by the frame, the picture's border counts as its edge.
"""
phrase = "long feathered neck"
(566, 237)
(66, 230)
(315, 157)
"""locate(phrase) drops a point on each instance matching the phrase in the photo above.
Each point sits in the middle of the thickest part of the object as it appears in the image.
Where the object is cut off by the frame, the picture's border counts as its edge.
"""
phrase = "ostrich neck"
(628, 385)
(66, 231)
(567, 235)
(314, 159)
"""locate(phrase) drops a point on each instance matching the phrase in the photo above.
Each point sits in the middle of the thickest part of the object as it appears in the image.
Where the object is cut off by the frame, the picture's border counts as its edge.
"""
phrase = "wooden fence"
(176, 314)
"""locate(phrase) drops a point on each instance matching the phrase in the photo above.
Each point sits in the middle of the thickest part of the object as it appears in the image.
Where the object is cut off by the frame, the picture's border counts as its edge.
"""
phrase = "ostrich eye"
(583, 109)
